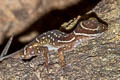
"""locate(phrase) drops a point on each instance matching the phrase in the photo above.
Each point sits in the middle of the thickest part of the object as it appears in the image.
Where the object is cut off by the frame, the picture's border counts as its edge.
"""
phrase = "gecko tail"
(5, 51)
(3, 58)
(15, 55)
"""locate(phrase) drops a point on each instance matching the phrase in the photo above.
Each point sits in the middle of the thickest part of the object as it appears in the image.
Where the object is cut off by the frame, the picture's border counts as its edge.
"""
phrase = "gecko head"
(90, 27)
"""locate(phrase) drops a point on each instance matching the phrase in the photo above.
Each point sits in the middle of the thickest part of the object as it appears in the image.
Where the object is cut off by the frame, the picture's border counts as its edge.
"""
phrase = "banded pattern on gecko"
(61, 42)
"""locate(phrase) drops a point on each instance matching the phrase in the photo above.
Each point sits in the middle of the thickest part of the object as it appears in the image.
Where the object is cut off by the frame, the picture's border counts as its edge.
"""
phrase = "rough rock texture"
(97, 59)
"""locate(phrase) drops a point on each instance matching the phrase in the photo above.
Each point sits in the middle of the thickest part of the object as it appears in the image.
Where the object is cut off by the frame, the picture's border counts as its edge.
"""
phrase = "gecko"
(61, 42)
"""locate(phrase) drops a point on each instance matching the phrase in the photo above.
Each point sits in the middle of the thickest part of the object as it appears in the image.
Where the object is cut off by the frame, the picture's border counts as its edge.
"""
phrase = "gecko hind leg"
(45, 52)
(46, 59)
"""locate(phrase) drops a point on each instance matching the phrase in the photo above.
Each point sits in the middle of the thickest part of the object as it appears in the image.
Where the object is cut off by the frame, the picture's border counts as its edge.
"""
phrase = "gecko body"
(61, 42)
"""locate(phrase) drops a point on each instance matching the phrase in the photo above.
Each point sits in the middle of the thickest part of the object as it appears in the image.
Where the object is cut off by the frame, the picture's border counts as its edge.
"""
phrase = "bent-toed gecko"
(61, 42)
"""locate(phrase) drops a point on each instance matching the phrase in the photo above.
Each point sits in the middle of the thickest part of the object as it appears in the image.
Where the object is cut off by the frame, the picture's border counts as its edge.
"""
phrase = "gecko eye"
(93, 25)
(90, 25)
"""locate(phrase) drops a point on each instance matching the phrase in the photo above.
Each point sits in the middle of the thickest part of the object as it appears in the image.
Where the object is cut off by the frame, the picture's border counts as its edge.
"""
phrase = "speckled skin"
(61, 42)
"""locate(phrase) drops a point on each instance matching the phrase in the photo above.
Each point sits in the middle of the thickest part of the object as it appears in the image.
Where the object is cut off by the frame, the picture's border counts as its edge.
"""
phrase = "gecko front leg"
(66, 48)
(61, 56)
